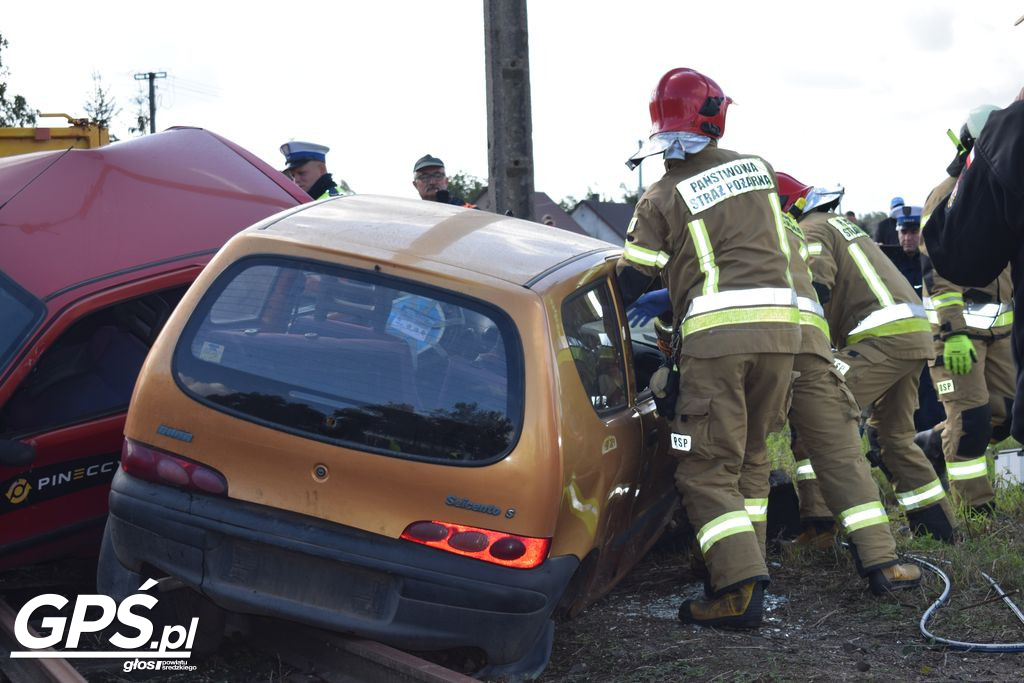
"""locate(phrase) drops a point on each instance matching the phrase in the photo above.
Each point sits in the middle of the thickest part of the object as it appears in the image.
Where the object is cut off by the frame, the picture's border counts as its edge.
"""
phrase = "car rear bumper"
(253, 559)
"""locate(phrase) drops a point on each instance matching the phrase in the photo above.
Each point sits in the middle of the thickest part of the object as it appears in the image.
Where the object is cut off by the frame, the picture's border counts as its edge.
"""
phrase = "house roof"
(542, 204)
(616, 215)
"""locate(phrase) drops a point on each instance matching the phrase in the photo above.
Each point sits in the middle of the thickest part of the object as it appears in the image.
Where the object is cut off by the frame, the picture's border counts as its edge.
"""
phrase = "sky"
(859, 94)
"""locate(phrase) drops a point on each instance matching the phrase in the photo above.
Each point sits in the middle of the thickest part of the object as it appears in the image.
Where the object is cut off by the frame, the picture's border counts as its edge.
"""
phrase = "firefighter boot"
(893, 578)
(819, 534)
(932, 520)
(740, 608)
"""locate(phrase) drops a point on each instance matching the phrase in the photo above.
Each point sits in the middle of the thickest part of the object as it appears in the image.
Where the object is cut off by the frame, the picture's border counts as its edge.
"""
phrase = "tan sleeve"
(820, 248)
(646, 247)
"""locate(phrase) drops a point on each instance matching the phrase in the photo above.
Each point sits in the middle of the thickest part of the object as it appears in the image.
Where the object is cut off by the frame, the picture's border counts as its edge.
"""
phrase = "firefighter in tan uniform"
(711, 227)
(973, 369)
(880, 329)
(825, 416)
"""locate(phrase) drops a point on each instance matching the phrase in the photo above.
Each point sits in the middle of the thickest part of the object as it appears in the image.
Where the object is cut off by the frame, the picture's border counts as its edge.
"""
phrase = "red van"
(96, 248)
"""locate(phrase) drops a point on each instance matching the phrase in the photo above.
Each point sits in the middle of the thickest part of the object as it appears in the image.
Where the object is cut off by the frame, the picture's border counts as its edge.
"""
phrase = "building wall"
(594, 225)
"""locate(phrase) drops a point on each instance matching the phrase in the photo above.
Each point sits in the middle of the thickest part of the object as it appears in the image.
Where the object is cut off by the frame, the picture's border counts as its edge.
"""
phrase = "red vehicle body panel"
(82, 230)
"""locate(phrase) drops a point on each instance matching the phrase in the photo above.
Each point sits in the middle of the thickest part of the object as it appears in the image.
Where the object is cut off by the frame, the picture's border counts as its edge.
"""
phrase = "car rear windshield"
(20, 312)
(356, 358)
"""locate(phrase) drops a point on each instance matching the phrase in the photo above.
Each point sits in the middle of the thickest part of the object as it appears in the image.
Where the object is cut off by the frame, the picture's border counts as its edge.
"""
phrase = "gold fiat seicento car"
(418, 423)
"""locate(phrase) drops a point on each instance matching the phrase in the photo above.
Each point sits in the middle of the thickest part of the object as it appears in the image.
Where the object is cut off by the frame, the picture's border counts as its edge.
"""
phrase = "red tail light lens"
(520, 552)
(151, 464)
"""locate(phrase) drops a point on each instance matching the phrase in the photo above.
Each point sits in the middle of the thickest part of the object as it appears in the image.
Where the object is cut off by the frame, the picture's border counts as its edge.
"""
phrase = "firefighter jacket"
(980, 312)
(712, 227)
(867, 296)
(814, 337)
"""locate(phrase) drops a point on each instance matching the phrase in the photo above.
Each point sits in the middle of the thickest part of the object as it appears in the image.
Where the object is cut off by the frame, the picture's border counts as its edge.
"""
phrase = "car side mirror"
(16, 453)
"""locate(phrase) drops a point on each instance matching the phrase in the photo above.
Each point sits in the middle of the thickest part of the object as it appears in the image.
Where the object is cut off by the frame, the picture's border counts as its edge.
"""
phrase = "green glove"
(959, 355)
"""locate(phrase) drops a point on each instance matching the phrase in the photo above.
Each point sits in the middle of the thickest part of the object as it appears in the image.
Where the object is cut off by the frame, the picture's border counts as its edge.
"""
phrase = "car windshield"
(20, 312)
(368, 361)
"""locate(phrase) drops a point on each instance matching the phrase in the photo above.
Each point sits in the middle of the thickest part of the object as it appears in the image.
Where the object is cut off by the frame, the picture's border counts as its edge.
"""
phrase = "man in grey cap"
(431, 182)
(307, 167)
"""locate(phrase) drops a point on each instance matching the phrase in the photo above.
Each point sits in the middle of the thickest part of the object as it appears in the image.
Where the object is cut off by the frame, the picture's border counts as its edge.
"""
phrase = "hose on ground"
(942, 600)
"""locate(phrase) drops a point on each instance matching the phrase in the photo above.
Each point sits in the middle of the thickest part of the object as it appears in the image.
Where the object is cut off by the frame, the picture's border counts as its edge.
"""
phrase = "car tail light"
(520, 552)
(151, 464)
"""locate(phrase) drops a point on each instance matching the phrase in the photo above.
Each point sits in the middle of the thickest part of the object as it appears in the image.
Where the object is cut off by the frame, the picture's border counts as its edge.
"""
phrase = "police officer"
(824, 417)
(973, 369)
(711, 227)
(307, 167)
(880, 329)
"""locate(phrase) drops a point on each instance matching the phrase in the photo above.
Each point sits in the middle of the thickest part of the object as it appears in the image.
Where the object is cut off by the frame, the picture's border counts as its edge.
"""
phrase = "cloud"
(931, 31)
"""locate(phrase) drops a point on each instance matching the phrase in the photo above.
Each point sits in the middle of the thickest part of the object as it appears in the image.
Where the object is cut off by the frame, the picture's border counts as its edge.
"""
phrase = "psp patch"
(944, 387)
(715, 185)
(842, 367)
(681, 442)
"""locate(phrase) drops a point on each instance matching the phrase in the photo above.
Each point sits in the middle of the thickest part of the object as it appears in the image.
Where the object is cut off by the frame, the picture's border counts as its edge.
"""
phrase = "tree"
(13, 112)
(101, 107)
(467, 186)
(141, 126)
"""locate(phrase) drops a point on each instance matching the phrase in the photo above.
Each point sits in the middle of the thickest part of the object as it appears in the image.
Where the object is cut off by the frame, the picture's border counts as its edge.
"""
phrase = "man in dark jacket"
(431, 182)
(974, 233)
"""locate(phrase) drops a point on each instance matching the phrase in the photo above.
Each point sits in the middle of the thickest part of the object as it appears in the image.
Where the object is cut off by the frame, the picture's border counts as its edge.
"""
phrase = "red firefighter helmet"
(686, 100)
(791, 190)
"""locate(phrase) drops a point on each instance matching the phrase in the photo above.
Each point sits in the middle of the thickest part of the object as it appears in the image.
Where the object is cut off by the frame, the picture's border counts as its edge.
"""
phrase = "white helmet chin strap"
(674, 145)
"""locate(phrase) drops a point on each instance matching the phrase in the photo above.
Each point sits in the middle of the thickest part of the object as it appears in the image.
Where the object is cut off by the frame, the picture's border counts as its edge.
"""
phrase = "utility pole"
(151, 76)
(509, 121)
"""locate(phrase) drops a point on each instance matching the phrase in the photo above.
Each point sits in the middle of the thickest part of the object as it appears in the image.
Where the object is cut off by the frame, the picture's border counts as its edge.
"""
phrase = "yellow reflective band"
(645, 257)
(922, 496)
(947, 299)
(814, 248)
(870, 275)
(757, 509)
(705, 255)
(773, 199)
(804, 254)
(740, 316)
(924, 219)
(1004, 319)
(815, 321)
(892, 329)
(864, 515)
(967, 469)
(720, 527)
(804, 471)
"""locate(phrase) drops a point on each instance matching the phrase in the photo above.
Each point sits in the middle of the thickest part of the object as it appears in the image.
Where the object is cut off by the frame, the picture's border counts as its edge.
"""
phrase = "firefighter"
(974, 233)
(825, 416)
(711, 227)
(973, 370)
(307, 167)
(880, 329)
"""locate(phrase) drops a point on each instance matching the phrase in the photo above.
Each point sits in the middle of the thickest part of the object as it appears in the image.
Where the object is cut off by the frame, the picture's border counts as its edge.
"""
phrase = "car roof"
(73, 217)
(413, 230)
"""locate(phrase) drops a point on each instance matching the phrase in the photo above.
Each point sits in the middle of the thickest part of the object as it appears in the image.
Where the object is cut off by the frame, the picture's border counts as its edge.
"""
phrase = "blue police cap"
(297, 153)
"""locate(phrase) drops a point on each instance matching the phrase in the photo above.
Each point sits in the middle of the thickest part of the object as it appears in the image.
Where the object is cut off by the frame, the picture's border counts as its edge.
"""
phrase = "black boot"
(932, 520)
